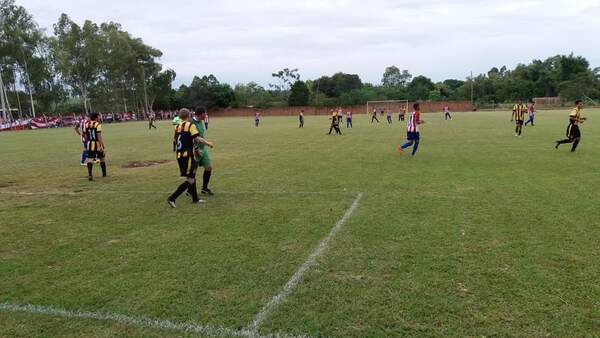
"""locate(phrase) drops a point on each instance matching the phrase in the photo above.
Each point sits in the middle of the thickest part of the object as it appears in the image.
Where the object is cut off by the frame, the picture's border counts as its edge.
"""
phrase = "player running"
(301, 119)
(335, 125)
(531, 114)
(348, 119)
(95, 145)
(447, 114)
(201, 153)
(256, 119)
(374, 116)
(413, 135)
(389, 116)
(518, 114)
(79, 126)
(573, 132)
(186, 136)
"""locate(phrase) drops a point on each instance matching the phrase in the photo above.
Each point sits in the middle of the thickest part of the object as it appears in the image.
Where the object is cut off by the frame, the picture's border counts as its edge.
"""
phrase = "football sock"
(103, 166)
(90, 166)
(206, 179)
(415, 148)
(193, 191)
(183, 187)
(407, 144)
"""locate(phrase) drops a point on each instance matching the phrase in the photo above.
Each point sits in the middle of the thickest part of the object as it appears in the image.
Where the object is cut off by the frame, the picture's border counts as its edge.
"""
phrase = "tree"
(76, 49)
(420, 87)
(286, 78)
(338, 84)
(393, 77)
(207, 91)
(299, 94)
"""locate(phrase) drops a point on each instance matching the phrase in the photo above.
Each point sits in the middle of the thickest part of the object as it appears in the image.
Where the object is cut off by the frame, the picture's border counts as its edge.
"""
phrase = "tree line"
(102, 67)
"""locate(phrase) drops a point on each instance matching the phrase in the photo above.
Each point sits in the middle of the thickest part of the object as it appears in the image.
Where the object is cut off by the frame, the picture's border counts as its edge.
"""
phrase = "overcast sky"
(242, 41)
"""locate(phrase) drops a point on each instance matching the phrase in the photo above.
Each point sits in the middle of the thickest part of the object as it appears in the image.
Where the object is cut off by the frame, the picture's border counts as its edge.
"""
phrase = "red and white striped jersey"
(412, 125)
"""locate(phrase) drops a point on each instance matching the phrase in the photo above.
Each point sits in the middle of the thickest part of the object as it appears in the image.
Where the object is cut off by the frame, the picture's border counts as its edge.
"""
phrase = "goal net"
(395, 106)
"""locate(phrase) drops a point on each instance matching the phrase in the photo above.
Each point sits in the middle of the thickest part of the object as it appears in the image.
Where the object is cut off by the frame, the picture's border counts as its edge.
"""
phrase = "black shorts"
(96, 154)
(520, 122)
(413, 136)
(187, 166)
(574, 131)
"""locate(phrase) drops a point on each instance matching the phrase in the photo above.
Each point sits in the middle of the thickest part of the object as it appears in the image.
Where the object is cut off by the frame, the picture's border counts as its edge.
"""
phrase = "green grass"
(482, 234)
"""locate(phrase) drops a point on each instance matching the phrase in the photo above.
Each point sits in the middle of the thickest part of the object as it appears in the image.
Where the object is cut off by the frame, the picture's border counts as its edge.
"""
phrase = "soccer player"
(348, 119)
(413, 135)
(374, 116)
(518, 115)
(335, 124)
(151, 120)
(447, 113)
(186, 136)
(256, 119)
(201, 153)
(79, 126)
(95, 145)
(531, 114)
(401, 114)
(573, 132)
(389, 116)
(301, 119)
(206, 121)
(340, 115)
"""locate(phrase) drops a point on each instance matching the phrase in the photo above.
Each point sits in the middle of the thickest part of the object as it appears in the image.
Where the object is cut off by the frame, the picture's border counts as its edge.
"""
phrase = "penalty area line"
(296, 278)
(142, 322)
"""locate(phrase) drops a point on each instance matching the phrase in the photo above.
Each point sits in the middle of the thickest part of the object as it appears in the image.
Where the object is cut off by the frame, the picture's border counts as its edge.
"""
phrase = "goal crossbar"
(387, 104)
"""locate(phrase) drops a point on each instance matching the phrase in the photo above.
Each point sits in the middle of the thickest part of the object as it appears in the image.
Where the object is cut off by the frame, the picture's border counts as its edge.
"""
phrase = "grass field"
(482, 234)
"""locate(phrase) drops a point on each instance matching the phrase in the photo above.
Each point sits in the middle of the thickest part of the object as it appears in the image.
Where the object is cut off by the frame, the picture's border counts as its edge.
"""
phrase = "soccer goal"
(395, 106)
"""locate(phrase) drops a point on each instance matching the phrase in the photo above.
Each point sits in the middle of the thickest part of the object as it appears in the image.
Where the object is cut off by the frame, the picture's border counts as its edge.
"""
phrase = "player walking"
(201, 153)
(95, 145)
(340, 115)
(186, 136)
(206, 120)
(447, 114)
(79, 126)
(573, 132)
(301, 119)
(256, 119)
(151, 120)
(413, 135)
(518, 115)
(348, 119)
(401, 114)
(389, 116)
(531, 114)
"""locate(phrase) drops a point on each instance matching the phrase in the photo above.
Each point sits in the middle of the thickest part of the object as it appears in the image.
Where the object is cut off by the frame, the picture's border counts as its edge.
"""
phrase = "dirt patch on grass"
(144, 164)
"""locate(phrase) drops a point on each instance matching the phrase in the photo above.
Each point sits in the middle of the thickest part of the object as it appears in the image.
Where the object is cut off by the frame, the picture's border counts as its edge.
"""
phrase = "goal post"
(394, 105)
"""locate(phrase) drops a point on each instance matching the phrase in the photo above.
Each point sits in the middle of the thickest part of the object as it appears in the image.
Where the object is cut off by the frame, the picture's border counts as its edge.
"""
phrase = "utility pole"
(2, 98)
(471, 88)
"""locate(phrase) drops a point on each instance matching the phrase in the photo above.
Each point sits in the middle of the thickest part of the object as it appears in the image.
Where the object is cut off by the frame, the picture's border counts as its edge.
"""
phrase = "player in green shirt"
(201, 153)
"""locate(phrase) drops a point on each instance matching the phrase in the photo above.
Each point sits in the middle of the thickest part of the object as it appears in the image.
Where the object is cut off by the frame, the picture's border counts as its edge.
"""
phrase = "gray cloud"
(241, 41)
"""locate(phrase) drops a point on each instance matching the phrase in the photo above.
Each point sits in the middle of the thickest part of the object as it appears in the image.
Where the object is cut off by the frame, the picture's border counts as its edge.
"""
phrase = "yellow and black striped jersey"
(92, 131)
(519, 111)
(185, 133)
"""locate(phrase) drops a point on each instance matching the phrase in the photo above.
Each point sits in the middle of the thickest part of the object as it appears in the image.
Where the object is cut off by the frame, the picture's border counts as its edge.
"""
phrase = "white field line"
(83, 192)
(141, 322)
(296, 278)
